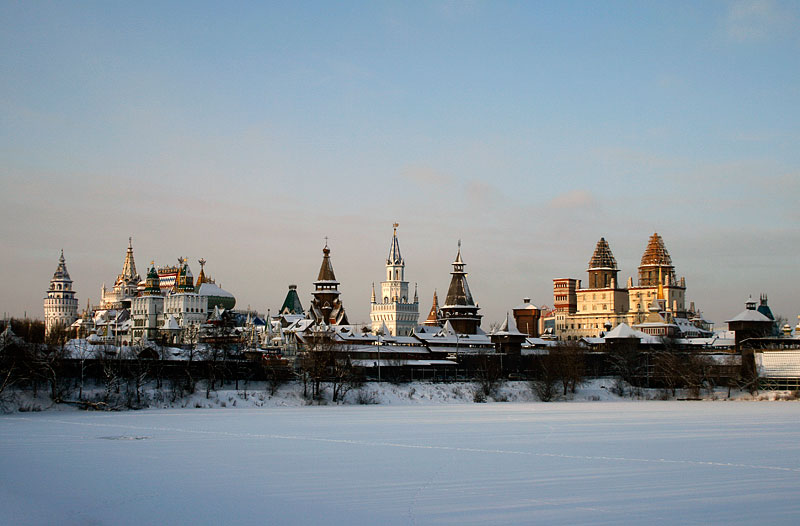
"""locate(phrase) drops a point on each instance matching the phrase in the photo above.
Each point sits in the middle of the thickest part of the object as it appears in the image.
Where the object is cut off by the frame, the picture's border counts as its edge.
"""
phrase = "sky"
(247, 133)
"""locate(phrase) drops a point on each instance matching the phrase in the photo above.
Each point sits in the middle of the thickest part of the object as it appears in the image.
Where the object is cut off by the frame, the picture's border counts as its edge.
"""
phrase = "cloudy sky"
(247, 133)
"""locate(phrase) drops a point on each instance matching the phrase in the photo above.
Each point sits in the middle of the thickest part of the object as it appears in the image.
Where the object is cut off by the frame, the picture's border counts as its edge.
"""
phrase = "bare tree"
(545, 379)
(567, 362)
(488, 373)
(323, 361)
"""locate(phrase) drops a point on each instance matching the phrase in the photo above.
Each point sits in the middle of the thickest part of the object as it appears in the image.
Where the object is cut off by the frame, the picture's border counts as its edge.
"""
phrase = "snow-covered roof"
(395, 363)
(539, 342)
(778, 364)
(749, 315)
(509, 328)
(623, 330)
(212, 289)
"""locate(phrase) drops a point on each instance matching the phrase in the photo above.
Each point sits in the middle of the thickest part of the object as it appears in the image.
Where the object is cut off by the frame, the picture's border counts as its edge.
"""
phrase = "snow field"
(524, 463)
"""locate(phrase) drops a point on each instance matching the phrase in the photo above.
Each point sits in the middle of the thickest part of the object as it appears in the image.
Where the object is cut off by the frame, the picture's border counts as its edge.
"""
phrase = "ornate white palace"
(395, 313)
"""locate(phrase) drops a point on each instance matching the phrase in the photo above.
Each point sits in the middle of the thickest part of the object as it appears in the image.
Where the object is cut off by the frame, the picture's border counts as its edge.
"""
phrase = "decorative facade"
(147, 309)
(587, 312)
(60, 304)
(326, 307)
(183, 305)
(395, 311)
(125, 287)
(459, 309)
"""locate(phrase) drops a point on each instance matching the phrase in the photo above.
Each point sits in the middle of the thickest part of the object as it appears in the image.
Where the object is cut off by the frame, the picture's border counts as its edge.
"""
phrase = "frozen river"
(585, 463)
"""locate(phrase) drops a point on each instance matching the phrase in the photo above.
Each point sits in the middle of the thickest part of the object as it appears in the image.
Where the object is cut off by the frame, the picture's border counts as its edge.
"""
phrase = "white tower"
(60, 305)
(394, 307)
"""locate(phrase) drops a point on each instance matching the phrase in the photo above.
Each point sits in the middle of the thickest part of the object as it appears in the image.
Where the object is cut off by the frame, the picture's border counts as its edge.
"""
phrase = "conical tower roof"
(458, 293)
(394, 251)
(61, 273)
(602, 257)
(292, 305)
(433, 316)
(326, 269)
(129, 266)
(656, 253)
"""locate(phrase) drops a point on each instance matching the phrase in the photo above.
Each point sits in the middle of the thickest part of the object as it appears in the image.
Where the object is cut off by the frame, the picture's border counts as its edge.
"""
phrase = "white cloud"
(753, 20)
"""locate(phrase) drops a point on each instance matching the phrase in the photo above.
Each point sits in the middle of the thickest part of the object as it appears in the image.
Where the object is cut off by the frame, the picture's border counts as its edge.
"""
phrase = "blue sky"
(246, 133)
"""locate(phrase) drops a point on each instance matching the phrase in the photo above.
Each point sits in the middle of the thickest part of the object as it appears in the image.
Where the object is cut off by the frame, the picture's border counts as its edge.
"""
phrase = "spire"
(416, 296)
(373, 292)
(458, 293)
(433, 317)
(394, 251)
(129, 266)
(201, 278)
(61, 273)
(326, 269)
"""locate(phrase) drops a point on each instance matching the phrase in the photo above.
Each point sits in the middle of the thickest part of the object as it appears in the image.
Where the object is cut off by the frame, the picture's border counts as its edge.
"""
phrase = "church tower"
(60, 305)
(459, 308)
(656, 263)
(602, 267)
(126, 287)
(326, 307)
(394, 308)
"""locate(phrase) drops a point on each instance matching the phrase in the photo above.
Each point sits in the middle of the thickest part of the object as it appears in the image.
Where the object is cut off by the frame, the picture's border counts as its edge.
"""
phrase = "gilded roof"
(656, 253)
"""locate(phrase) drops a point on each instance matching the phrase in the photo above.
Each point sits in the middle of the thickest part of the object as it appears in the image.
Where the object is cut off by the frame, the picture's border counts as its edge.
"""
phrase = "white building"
(60, 305)
(147, 310)
(395, 310)
(188, 308)
(125, 287)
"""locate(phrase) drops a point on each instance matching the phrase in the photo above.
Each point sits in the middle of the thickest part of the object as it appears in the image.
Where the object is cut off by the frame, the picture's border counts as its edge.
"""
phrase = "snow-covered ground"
(498, 463)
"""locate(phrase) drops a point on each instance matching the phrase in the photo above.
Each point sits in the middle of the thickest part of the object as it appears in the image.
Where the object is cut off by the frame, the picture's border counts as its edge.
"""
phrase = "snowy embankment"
(256, 394)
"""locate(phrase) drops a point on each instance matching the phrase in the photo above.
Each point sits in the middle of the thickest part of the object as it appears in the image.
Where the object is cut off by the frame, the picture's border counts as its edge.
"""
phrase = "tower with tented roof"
(394, 309)
(656, 281)
(60, 304)
(326, 307)
(125, 287)
(459, 308)
(602, 267)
